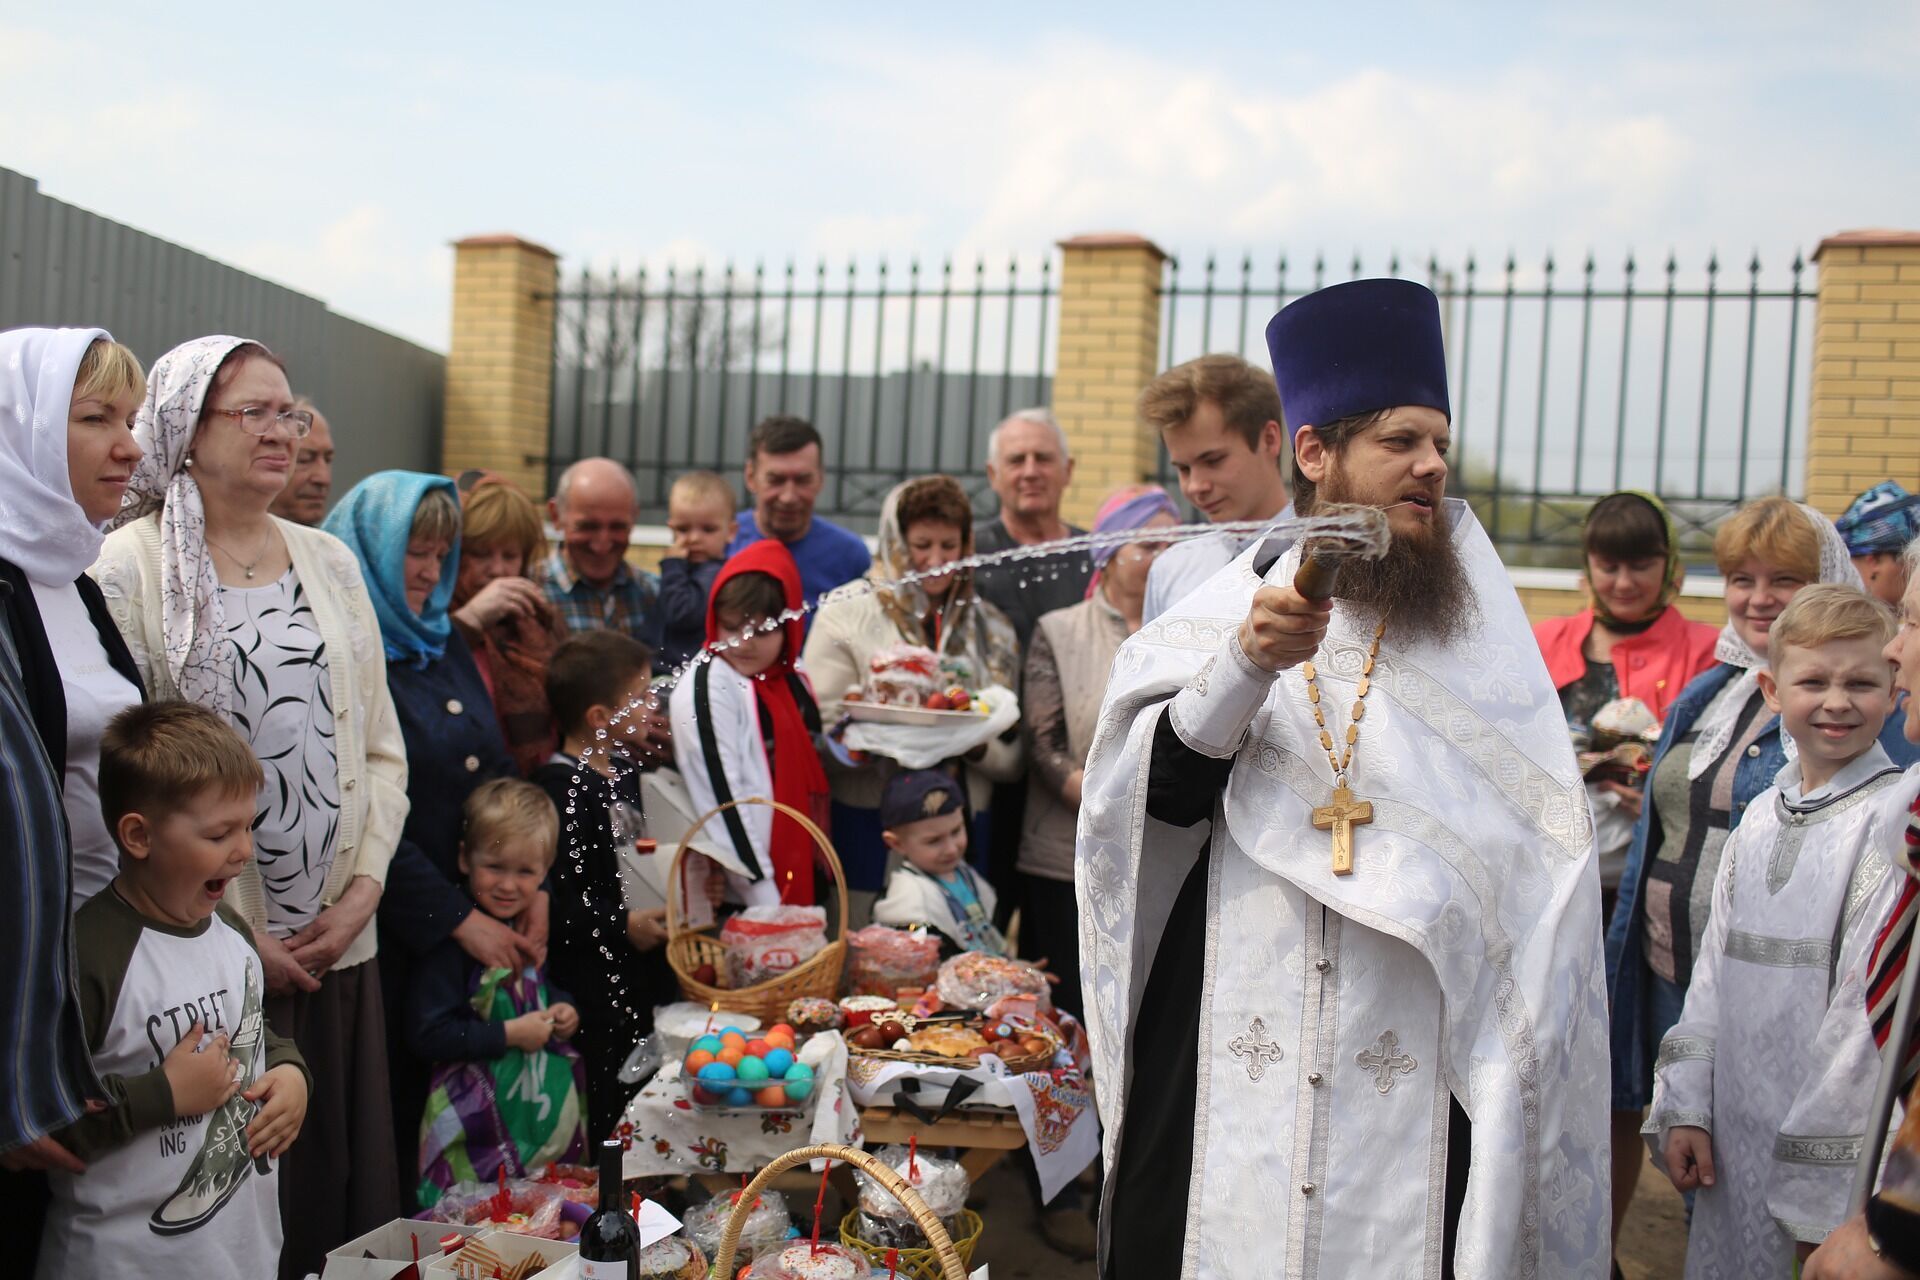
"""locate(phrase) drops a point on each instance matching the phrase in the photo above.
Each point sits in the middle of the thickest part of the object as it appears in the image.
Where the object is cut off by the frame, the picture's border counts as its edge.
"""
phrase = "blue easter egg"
(779, 1062)
(752, 1070)
(717, 1073)
(729, 1030)
(739, 1098)
(710, 1043)
(798, 1089)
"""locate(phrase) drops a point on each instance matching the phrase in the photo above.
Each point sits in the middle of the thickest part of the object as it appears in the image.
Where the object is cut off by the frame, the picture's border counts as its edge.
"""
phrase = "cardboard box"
(392, 1250)
(512, 1248)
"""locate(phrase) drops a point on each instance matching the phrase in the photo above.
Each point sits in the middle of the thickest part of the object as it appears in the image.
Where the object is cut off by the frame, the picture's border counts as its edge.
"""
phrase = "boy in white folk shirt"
(1799, 897)
(202, 1097)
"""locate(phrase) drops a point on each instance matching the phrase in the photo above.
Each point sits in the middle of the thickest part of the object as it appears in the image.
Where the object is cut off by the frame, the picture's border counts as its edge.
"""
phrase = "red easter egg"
(759, 1048)
(774, 1095)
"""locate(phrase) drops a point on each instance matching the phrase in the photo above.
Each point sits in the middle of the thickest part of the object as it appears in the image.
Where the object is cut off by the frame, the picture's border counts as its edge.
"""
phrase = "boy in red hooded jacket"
(745, 723)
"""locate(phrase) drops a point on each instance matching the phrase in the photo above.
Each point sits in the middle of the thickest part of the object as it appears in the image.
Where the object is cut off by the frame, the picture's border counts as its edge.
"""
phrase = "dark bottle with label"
(610, 1240)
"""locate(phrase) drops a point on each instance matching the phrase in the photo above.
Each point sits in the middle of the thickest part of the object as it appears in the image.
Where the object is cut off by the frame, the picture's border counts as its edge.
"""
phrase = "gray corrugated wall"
(61, 265)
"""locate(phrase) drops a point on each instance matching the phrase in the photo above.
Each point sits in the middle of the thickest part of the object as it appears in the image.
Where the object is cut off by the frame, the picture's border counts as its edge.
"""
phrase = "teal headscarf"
(375, 520)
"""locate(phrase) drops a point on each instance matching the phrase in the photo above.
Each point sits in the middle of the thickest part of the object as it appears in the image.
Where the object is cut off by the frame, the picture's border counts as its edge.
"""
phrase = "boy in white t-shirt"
(201, 1096)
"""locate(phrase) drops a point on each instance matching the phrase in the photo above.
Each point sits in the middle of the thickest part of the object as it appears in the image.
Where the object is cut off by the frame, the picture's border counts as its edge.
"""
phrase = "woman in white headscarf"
(269, 623)
(67, 452)
(67, 399)
(1719, 748)
(924, 524)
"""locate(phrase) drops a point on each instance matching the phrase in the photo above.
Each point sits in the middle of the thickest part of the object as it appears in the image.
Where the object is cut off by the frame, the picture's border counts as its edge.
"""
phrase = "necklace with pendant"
(244, 566)
(1342, 813)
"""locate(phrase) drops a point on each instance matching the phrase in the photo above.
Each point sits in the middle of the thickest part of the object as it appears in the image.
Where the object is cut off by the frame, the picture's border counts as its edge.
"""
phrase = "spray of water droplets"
(1043, 560)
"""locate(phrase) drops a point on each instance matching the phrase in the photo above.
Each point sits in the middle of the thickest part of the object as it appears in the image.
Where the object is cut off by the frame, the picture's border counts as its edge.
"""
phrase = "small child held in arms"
(924, 823)
(608, 956)
(508, 1093)
(746, 724)
(202, 1097)
(1743, 1110)
(701, 517)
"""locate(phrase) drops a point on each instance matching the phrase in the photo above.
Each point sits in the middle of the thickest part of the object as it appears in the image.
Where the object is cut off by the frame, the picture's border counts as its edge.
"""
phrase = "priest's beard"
(1421, 584)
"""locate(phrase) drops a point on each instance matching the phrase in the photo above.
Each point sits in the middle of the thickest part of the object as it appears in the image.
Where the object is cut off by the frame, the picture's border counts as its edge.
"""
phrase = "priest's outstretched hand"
(1689, 1157)
(1283, 628)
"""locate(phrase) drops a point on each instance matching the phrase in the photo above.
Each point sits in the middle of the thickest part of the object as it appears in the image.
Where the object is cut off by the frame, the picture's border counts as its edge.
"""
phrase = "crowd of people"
(319, 808)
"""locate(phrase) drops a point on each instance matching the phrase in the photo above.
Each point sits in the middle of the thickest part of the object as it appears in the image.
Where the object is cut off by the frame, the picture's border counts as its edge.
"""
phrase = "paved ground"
(1653, 1243)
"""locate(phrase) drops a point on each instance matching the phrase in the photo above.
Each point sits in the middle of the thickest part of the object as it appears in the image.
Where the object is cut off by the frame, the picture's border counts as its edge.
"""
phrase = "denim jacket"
(1627, 970)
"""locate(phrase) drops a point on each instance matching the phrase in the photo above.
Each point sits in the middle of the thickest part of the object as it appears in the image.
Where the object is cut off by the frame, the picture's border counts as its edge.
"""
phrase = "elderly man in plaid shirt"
(587, 578)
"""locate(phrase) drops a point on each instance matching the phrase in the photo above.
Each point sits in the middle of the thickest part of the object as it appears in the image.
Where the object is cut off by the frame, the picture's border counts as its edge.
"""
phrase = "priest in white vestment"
(1393, 1070)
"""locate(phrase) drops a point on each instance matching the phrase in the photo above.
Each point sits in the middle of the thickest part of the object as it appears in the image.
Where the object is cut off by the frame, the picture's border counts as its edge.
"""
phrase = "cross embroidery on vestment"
(1256, 1049)
(1383, 1059)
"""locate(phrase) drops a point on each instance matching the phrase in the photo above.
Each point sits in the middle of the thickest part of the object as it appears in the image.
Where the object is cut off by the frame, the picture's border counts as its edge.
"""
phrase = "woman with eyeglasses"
(269, 623)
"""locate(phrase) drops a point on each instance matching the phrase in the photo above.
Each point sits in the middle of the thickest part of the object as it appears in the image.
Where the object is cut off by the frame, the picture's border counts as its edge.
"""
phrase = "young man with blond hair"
(1220, 420)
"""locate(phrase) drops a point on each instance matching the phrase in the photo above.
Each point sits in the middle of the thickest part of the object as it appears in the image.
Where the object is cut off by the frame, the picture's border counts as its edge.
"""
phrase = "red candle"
(913, 1162)
(819, 1205)
(893, 1263)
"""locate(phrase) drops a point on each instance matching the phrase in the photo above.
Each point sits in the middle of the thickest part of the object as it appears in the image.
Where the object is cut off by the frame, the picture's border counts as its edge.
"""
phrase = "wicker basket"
(688, 949)
(951, 1266)
(920, 1264)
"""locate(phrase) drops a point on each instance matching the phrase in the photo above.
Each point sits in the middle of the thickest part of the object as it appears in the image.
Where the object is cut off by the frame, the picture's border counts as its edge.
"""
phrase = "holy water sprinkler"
(1341, 531)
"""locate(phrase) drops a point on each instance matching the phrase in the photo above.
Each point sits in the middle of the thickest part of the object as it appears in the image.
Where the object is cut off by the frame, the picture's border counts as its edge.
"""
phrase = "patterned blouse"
(283, 707)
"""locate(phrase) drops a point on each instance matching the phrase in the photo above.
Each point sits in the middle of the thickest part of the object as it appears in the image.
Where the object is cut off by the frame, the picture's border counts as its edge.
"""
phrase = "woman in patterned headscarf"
(268, 623)
(1719, 748)
(924, 524)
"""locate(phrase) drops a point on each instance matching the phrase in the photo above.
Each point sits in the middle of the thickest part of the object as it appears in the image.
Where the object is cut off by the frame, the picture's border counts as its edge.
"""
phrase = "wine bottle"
(610, 1240)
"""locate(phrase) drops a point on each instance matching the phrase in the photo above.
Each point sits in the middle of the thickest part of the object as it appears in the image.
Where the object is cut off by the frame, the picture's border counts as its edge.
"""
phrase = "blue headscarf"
(375, 520)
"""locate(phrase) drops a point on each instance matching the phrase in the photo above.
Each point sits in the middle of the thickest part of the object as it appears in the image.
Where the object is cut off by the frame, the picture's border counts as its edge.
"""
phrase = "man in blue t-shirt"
(784, 475)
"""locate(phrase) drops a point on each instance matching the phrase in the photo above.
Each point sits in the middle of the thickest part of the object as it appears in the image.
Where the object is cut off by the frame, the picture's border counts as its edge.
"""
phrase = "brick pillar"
(1109, 348)
(1865, 424)
(500, 363)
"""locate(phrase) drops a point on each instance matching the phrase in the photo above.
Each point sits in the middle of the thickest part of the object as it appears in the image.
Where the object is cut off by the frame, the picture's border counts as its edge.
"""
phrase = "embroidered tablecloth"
(1055, 1107)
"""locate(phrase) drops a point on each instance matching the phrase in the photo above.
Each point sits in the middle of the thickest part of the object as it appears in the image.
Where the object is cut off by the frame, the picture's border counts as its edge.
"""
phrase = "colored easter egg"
(752, 1070)
(739, 1097)
(774, 1095)
(706, 1097)
(696, 1060)
(733, 1040)
(778, 1061)
(717, 1072)
(728, 1030)
(799, 1071)
(732, 1054)
(758, 1048)
(798, 1090)
(710, 1044)
(779, 1029)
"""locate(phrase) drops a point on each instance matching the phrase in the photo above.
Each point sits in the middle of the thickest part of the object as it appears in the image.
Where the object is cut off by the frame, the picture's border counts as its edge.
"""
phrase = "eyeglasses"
(257, 420)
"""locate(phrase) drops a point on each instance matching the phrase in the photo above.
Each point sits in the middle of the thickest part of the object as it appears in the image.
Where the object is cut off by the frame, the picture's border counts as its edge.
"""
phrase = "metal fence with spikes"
(1568, 390)
(1563, 389)
(668, 371)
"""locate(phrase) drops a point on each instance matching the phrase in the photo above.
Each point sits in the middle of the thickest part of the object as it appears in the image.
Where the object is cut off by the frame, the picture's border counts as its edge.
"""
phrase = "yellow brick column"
(1109, 348)
(1865, 424)
(500, 362)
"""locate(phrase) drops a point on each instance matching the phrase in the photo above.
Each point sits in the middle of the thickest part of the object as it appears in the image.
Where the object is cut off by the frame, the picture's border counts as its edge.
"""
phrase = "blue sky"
(340, 148)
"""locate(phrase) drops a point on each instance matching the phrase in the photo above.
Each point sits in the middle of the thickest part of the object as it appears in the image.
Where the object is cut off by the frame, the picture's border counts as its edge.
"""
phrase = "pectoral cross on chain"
(1341, 815)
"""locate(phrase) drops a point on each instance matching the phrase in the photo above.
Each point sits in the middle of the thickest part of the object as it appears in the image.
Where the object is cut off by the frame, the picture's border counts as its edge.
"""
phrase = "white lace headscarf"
(191, 619)
(1722, 716)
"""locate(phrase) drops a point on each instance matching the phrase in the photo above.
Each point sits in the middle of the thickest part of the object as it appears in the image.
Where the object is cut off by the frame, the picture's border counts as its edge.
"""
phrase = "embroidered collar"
(1857, 773)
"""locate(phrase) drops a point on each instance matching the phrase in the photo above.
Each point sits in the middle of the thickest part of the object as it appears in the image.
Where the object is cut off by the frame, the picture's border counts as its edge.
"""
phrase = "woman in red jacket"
(1632, 642)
